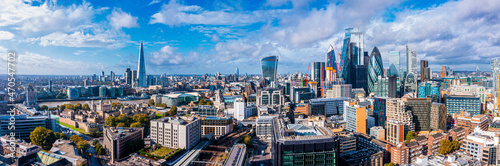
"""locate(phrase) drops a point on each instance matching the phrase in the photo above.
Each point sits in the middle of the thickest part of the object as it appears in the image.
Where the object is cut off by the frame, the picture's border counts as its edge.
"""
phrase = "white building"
(468, 90)
(176, 132)
(482, 145)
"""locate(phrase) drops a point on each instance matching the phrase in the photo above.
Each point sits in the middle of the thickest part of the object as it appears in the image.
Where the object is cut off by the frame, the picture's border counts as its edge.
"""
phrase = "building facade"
(176, 132)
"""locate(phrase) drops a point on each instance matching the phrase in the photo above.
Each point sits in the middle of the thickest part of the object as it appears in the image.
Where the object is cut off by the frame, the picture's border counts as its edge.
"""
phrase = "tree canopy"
(43, 137)
(151, 102)
(447, 146)
(75, 138)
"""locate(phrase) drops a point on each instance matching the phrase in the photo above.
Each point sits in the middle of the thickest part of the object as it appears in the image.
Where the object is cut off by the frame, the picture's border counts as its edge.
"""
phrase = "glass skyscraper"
(394, 63)
(411, 60)
(269, 67)
(356, 37)
(141, 70)
(375, 68)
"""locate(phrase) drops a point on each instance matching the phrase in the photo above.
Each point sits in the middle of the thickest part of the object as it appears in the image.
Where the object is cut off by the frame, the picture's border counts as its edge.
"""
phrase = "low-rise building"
(219, 126)
(433, 143)
(378, 132)
(116, 139)
(482, 145)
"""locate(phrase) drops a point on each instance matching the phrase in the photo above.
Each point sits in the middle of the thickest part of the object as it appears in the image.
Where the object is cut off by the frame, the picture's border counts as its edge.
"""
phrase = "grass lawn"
(158, 116)
(162, 151)
(71, 127)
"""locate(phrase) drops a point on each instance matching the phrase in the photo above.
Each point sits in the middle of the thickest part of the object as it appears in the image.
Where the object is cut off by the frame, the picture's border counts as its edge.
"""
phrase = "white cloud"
(78, 39)
(79, 52)
(119, 19)
(45, 17)
(174, 14)
(154, 2)
(33, 63)
(169, 55)
(6, 35)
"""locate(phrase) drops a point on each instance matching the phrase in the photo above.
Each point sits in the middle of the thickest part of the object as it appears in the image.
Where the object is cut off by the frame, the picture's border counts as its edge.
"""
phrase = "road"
(93, 159)
(258, 158)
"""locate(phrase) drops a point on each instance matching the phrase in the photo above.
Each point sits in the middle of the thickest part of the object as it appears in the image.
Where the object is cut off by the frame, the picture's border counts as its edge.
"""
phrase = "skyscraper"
(394, 63)
(411, 60)
(375, 68)
(112, 75)
(356, 37)
(141, 70)
(128, 76)
(425, 74)
(269, 68)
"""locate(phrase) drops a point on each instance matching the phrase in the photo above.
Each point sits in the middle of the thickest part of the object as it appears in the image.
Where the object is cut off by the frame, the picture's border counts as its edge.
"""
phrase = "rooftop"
(358, 154)
(120, 132)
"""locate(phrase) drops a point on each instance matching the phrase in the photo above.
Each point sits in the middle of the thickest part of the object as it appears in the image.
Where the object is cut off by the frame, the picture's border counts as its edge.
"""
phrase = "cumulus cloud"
(119, 19)
(6, 35)
(45, 17)
(78, 39)
(174, 14)
(169, 56)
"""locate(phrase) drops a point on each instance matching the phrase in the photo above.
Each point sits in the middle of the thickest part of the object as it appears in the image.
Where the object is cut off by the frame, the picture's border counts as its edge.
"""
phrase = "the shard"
(141, 70)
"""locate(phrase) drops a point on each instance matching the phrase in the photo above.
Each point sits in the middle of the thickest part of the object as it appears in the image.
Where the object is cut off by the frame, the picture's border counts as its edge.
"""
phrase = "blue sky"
(198, 37)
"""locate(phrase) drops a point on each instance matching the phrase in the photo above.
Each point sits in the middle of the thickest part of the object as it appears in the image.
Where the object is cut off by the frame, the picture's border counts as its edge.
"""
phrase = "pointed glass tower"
(141, 70)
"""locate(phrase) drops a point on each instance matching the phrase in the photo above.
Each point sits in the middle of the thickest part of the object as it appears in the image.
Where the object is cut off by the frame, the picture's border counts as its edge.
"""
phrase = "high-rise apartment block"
(395, 132)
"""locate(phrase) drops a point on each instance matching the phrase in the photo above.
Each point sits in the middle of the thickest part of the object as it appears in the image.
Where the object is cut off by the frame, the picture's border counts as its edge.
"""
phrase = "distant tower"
(112, 75)
(50, 85)
(411, 60)
(269, 68)
(141, 69)
(128, 76)
(237, 74)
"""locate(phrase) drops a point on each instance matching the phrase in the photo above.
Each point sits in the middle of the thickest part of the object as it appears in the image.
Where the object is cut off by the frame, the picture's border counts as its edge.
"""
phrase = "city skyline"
(84, 38)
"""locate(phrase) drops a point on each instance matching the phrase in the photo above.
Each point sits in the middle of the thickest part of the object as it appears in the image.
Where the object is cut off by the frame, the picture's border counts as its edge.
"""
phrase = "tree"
(95, 142)
(210, 103)
(78, 106)
(110, 121)
(124, 119)
(143, 119)
(202, 102)
(151, 102)
(166, 114)
(99, 149)
(85, 106)
(173, 110)
(246, 139)
(390, 164)
(483, 112)
(44, 108)
(82, 146)
(62, 107)
(121, 124)
(75, 138)
(63, 136)
(43, 137)
(136, 124)
(410, 135)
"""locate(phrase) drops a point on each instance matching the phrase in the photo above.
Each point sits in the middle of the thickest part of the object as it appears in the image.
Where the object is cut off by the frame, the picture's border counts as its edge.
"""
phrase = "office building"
(331, 65)
(438, 116)
(300, 93)
(176, 132)
(270, 97)
(116, 139)
(24, 124)
(204, 110)
(425, 71)
(482, 145)
(394, 87)
(469, 123)
(469, 90)
(395, 132)
(429, 89)
(421, 109)
(381, 87)
(375, 69)
(219, 126)
(269, 68)
(264, 126)
(379, 111)
(410, 84)
(339, 90)
(318, 75)
(362, 157)
(141, 70)
(377, 132)
(241, 111)
(356, 117)
(396, 110)
(357, 44)
(411, 61)
(327, 106)
(128, 76)
(394, 63)
(295, 144)
(469, 103)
